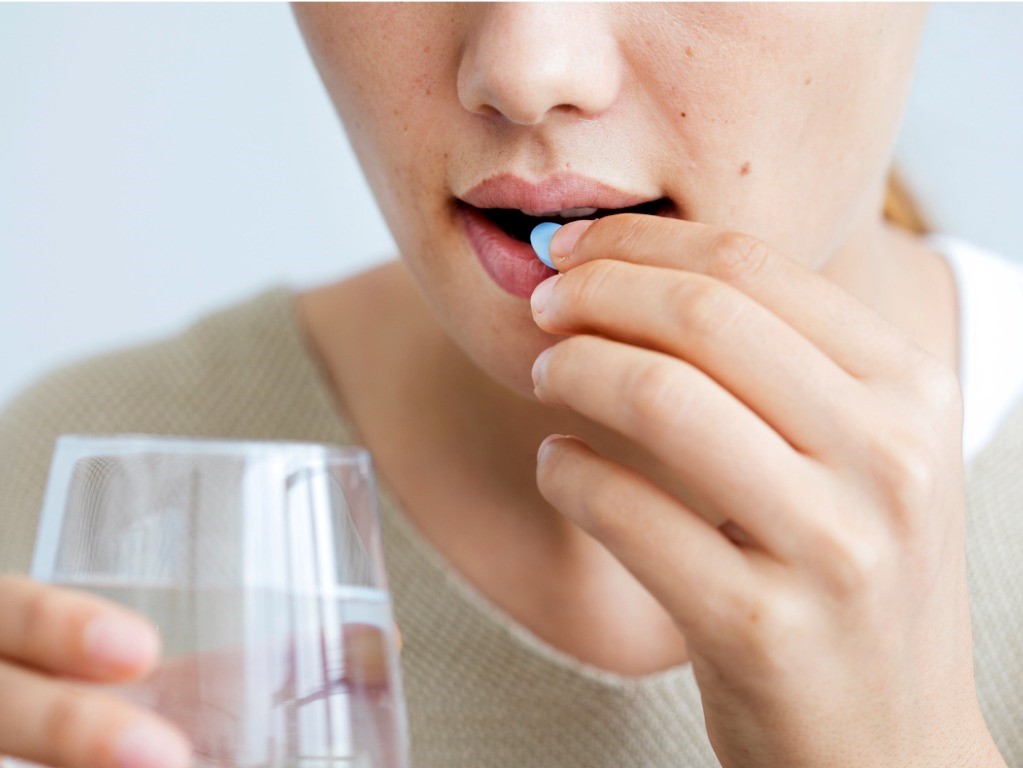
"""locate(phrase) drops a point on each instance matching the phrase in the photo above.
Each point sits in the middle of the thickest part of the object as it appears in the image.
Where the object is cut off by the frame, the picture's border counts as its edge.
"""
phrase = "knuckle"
(589, 282)
(630, 232)
(557, 375)
(736, 257)
(706, 307)
(906, 471)
(855, 560)
(63, 718)
(39, 614)
(772, 622)
(68, 730)
(937, 387)
(659, 399)
(568, 357)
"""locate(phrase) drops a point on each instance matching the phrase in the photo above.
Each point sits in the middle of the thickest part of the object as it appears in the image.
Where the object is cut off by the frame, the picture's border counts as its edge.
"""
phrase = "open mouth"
(518, 224)
(499, 235)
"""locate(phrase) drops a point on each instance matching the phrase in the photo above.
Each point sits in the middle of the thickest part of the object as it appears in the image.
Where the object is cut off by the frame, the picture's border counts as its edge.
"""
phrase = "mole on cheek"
(744, 170)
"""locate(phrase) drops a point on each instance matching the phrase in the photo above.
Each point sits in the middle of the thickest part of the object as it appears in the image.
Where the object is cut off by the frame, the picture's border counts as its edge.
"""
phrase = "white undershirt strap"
(990, 290)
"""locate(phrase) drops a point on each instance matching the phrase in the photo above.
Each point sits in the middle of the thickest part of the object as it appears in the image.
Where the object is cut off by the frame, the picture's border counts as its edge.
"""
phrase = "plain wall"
(157, 161)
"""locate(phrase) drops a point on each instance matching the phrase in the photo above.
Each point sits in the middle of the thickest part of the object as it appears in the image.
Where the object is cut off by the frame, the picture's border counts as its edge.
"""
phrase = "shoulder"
(232, 373)
(178, 381)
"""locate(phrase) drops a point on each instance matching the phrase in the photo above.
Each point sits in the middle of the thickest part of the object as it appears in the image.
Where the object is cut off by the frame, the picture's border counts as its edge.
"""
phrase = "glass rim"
(125, 444)
(287, 456)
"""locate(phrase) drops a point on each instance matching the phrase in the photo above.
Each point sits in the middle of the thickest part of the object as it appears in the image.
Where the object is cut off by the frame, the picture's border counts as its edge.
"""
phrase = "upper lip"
(554, 193)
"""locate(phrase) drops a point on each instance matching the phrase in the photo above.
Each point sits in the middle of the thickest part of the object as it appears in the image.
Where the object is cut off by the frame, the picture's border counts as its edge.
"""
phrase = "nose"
(523, 61)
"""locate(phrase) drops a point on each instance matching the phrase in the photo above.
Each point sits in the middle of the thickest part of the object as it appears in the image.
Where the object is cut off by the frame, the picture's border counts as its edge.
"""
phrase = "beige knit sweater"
(483, 692)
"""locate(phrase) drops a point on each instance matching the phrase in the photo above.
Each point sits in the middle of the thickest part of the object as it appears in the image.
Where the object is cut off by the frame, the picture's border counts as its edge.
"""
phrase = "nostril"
(527, 61)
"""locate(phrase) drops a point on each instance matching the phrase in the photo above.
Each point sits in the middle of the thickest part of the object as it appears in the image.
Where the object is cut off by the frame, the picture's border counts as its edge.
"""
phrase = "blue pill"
(540, 239)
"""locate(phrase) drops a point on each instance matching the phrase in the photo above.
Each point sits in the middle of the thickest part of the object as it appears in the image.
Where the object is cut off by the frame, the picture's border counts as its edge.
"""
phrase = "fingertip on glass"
(116, 641)
(148, 744)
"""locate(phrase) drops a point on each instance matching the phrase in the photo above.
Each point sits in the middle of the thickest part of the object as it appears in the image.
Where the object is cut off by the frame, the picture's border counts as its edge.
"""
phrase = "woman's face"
(773, 120)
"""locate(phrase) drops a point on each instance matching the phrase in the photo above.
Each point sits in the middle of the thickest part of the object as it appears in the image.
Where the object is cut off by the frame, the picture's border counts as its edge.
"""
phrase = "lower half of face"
(474, 122)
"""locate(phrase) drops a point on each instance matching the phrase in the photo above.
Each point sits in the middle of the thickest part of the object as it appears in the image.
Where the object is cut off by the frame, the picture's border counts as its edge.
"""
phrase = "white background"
(158, 161)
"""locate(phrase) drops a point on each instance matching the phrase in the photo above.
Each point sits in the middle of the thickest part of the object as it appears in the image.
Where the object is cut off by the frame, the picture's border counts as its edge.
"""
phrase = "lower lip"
(511, 264)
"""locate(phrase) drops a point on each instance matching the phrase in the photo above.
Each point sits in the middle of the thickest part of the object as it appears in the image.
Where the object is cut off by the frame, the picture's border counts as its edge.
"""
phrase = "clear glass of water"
(261, 564)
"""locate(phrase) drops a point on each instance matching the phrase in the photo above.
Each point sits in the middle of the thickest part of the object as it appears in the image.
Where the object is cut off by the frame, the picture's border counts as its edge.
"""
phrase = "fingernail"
(146, 744)
(119, 641)
(564, 239)
(545, 445)
(538, 366)
(542, 293)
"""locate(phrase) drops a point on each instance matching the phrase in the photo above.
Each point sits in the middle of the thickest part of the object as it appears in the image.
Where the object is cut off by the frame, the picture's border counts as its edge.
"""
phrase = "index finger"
(842, 327)
(73, 633)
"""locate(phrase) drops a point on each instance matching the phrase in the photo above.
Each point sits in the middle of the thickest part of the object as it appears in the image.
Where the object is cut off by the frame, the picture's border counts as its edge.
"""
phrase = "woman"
(752, 548)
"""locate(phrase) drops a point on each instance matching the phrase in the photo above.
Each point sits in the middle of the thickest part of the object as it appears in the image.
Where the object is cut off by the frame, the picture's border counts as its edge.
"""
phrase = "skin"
(780, 345)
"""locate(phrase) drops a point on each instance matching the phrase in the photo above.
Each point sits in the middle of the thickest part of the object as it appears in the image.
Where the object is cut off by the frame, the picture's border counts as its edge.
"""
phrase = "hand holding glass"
(261, 565)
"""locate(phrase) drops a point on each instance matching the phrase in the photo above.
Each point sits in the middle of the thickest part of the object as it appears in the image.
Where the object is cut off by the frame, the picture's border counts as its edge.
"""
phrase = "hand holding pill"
(812, 502)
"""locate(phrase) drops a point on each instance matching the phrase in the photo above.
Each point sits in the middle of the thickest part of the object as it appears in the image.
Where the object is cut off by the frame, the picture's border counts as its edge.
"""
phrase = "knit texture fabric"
(483, 692)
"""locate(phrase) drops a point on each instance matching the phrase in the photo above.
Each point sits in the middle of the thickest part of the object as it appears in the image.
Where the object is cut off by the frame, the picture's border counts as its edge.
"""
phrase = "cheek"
(498, 336)
(775, 109)
(389, 70)
(385, 67)
(403, 119)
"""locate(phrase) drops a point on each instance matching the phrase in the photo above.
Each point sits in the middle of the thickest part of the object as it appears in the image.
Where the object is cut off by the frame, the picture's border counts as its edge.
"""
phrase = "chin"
(497, 333)
(492, 326)
(508, 357)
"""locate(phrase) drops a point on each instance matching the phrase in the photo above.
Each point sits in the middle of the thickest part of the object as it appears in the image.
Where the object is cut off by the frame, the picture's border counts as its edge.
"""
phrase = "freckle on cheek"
(689, 52)
(744, 171)
(808, 81)
(681, 114)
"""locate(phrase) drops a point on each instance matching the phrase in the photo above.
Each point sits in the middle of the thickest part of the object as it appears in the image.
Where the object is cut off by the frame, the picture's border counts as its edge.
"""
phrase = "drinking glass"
(261, 564)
